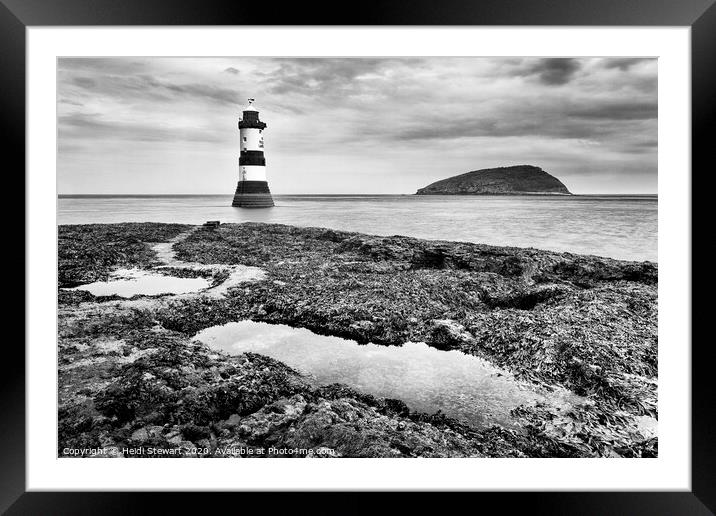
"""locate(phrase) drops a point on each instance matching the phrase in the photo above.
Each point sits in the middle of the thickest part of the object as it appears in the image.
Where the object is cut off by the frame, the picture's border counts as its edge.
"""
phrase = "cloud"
(102, 65)
(344, 123)
(129, 88)
(222, 95)
(617, 110)
(647, 146)
(70, 102)
(552, 126)
(625, 63)
(570, 119)
(84, 82)
(329, 77)
(85, 128)
(550, 71)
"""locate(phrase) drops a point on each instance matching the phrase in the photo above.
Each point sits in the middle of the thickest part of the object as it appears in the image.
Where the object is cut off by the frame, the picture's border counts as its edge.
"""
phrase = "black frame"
(700, 15)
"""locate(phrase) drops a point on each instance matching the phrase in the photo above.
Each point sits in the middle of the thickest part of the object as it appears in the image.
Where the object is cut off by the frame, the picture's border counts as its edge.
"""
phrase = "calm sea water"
(623, 227)
(425, 378)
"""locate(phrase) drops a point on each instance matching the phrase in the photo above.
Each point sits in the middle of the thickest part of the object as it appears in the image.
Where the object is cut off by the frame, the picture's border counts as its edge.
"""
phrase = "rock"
(140, 435)
(155, 431)
(112, 452)
(362, 326)
(87, 252)
(449, 334)
(559, 320)
(516, 180)
(234, 420)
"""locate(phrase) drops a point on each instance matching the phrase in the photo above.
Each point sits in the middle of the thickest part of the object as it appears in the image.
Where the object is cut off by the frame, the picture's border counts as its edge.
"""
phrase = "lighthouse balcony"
(251, 124)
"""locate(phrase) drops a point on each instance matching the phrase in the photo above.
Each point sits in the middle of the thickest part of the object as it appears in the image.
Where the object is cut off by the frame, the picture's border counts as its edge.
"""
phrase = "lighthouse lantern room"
(252, 190)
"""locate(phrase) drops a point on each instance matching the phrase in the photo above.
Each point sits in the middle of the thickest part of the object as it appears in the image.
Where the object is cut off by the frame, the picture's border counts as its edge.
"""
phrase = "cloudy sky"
(354, 125)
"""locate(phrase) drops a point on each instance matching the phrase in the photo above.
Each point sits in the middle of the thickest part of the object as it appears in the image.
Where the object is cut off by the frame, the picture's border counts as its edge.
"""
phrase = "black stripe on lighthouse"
(250, 157)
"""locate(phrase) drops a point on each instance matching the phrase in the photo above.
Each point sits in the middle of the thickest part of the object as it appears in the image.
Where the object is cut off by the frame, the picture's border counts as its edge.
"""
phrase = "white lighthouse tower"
(252, 190)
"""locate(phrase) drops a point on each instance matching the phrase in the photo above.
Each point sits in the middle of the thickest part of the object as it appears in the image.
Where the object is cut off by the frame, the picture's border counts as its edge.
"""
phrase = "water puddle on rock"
(237, 273)
(426, 379)
(132, 282)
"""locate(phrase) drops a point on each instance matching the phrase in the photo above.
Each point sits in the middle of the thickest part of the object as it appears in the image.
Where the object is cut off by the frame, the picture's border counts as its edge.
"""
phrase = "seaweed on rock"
(129, 373)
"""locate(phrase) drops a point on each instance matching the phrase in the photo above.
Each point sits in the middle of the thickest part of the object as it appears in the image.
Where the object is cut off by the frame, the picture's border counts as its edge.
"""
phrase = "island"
(516, 180)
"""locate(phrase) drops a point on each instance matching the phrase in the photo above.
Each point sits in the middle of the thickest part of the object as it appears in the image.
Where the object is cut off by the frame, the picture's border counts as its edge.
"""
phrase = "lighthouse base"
(252, 194)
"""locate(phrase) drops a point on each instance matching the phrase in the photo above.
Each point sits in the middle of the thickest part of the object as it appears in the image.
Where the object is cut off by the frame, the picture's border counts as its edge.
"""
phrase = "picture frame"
(17, 15)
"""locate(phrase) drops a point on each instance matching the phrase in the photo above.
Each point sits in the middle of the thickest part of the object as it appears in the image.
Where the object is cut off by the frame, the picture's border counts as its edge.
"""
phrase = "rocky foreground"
(133, 383)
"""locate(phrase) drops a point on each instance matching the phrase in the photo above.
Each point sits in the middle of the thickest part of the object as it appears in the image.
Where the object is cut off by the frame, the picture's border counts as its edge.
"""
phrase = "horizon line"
(64, 195)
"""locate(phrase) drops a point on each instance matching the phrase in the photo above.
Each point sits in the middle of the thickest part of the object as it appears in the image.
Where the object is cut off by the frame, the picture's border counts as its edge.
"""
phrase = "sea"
(624, 227)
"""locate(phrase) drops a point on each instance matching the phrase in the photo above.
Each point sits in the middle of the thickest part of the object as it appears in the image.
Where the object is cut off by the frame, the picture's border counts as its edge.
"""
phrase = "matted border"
(528, 12)
(669, 471)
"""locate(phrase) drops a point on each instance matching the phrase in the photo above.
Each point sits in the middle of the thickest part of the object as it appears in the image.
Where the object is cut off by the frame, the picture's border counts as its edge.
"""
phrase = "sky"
(143, 125)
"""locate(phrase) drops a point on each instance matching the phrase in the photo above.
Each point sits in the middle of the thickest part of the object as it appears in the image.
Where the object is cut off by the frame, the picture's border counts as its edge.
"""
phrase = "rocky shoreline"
(133, 380)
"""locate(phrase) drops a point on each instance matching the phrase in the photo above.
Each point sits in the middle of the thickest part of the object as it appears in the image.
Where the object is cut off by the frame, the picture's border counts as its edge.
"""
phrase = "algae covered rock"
(131, 377)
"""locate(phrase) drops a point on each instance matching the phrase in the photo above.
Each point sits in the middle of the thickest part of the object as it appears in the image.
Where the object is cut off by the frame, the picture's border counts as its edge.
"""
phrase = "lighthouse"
(252, 190)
